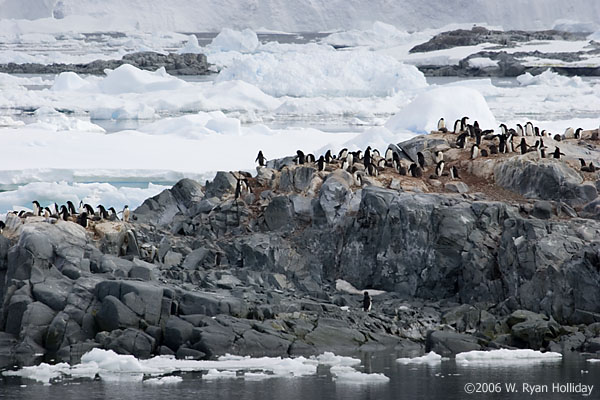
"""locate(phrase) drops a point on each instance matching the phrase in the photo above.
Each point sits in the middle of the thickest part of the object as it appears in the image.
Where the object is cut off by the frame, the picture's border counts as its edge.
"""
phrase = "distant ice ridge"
(506, 357)
(111, 366)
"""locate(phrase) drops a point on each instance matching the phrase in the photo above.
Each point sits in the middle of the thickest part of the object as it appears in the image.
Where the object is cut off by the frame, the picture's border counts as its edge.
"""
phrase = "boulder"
(162, 208)
(113, 314)
(278, 214)
(446, 343)
(177, 332)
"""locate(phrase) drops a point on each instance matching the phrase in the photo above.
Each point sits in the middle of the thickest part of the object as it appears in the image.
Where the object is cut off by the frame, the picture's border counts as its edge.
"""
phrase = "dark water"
(444, 381)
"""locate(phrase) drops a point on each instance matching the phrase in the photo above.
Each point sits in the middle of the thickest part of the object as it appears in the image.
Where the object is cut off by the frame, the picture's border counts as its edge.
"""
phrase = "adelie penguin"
(389, 155)
(260, 158)
(577, 134)
(421, 159)
(557, 153)
(523, 146)
(474, 152)
(457, 127)
(438, 156)
(126, 213)
(454, 172)
(328, 157)
(441, 126)
(439, 169)
(415, 170)
(321, 163)
(37, 209)
(300, 157)
(367, 303)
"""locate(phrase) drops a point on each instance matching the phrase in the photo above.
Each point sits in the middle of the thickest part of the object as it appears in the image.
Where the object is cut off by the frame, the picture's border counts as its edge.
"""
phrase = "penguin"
(89, 209)
(375, 153)
(389, 155)
(350, 158)
(260, 158)
(463, 123)
(367, 157)
(438, 156)
(103, 214)
(557, 153)
(441, 126)
(372, 170)
(82, 219)
(439, 169)
(529, 129)
(47, 213)
(71, 207)
(358, 155)
(577, 134)
(2, 226)
(421, 159)
(493, 149)
(367, 303)
(343, 153)
(503, 129)
(483, 152)
(64, 213)
(126, 213)
(358, 178)
(536, 131)
(328, 157)
(510, 146)
(300, 157)
(402, 169)
(523, 146)
(415, 170)
(454, 172)
(474, 151)
(56, 210)
(381, 162)
(461, 140)
(345, 165)
(321, 164)
(37, 209)
(569, 133)
(557, 137)
(310, 158)
(520, 131)
(457, 126)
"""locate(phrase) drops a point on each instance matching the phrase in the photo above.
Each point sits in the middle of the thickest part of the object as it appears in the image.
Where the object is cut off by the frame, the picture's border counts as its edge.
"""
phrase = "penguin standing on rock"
(439, 169)
(454, 172)
(126, 213)
(415, 170)
(474, 151)
(421, 159)
(441, 126)
(321, 163)
(300, 158)
(557, 153)
(367, 303)
(37, 209)
(260, 158)
(2, 226)
(523, 146)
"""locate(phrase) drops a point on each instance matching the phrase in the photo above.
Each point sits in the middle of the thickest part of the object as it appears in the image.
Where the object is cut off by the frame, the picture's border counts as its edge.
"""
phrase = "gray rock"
(177, 332)
(115, 315)
(184, 353)
(162, 208)
(448, 344)
(134, 342)
(223, 183)
(296, 178)
(261, 344)
(334, 335)
(457, 187)
(542, 210)
(278, 214)
(53, 293)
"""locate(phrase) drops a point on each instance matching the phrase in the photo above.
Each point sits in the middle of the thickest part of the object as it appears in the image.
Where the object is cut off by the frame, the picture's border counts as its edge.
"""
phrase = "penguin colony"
(470, 137)
(83, 215)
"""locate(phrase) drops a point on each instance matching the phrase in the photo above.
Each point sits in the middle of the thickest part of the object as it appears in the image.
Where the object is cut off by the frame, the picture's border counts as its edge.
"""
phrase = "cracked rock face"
(201, 273)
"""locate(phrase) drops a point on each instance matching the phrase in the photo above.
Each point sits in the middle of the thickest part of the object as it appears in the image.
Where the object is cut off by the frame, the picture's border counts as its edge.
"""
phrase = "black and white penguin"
(89, 209)
(47, 213)
(529, 131)
(343, 153)
(463, 123)
(375, 153)
(523, 146)
(503, 129)
(441, 126)
(461, 140)
(2, 226)
(64, 213)
(493, 149)
(367, 303)
(438, 156)
(300, 157)
(520, 131)
(454, 172)
(401, 169)
(113, 214)
(37, 209)
(510, 146)
(321, 164)
(260, 158)
(577, 134)
(126, 213)
(310, 158)
(415, 170)
(474, 151)
(82, 219)
(372, 170)
(367, 157)
(350, 158)
(588, 168)
(536, 131)
(345, 164)
(557, 153)
(71, 207)
(358, 178)
(569, 133)
(421, 159)
(102, 213)
(457, 127)
(328, 157)
(557, 137)
(389, 155)
(439, 169)
(483, 152)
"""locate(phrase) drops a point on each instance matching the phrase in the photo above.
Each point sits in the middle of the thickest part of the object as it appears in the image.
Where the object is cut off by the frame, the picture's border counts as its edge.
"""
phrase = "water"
(445, 381)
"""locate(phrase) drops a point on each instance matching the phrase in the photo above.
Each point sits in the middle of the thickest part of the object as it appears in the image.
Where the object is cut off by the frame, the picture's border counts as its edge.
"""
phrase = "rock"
(214, 339)
(334, 335)
(448, 344)
(335, 196)
(462, 318)
(177, 332)
(195, 258)
(535, 334)
(223, 183)
(35, 322)
(592, 345)
(278, 214)
(184, 353)
(53, 293)
(134, 342)
(296, 178)
(457, 187)
(261, 344)
(162, 208)
(542, 210)
(568, 343)
(115, 315)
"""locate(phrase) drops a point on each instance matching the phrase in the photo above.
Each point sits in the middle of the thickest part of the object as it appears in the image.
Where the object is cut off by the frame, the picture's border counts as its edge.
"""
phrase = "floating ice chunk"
(165, 380)
(191, 46)
(69, 81)
(482, 62)
(549, 78)
(41, 373)
(450, 103)
(348, 375)
(129, 79)
(431, 358)
(228, 39)
(593, 360)
(324, 72)
(330, 359)
(380, 35)
(256, 376)
(344, 286)
(216, 374)
(506, 357)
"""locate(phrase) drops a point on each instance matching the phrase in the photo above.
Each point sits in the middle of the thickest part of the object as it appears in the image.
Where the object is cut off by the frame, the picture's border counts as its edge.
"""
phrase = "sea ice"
(348, 375)
(506, 357)
(228, 39)
(430, 358)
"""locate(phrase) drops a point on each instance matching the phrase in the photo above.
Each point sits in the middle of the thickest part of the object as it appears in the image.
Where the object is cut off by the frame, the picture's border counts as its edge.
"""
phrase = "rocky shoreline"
(505, 257)
(174, 64)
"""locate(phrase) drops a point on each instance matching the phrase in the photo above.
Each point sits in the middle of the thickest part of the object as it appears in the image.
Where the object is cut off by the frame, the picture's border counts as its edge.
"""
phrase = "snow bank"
(506, 357)
(348, 375)
(549, 78)
(380, 35)
(430, 358)
(482, 62)
(343, 286)
(451, 103)
(69, 81)
(129, 79)
(322, 71)
(245, 41)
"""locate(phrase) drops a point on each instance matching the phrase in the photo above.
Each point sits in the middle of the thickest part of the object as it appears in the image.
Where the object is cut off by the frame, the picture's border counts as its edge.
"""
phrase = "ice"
(191, 46)
(213, 374)
(66, 81)
(322, 71)
(506, 357)
(347, 287)
(482, 62)
(330, 359)
(129, 79)
(166, 380)
(549, 78)
(245, 41)
(593, 360)
(430, 358)
(41, 373)
(348, 375)
(379, 35)
(450, 103)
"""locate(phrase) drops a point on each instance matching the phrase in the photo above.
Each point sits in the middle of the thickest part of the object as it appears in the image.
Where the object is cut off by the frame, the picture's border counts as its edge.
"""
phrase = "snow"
(344, 286)
(213, 374)
(129, 79)
(348, 375)
(450, 103)
(379, 35)
(549, 78)
(245, 41)
(506, 357)
(430, 358)
(593, 360)
(322, 71)
(330, 359)
(166, 380)
(482, 62)
(191, 46)
(69, 81)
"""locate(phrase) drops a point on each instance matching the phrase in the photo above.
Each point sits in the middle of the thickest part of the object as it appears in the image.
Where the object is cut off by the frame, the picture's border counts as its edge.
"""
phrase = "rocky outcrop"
(174, 64)
(198, 273)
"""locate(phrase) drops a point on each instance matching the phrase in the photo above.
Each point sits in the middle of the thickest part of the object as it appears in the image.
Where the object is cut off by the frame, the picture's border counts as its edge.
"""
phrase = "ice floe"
(506, 357)
(350, 376)
(430, 358)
